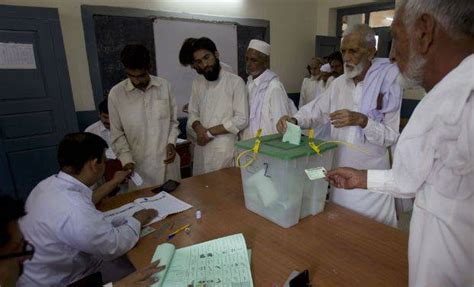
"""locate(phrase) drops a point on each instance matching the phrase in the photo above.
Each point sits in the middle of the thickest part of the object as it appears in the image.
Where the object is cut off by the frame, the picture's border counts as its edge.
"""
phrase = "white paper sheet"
(17, 56)
(163, 202)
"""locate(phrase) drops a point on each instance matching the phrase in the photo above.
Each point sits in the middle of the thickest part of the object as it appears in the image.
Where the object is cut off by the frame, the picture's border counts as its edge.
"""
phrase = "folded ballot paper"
(220, 262)
(163, 202)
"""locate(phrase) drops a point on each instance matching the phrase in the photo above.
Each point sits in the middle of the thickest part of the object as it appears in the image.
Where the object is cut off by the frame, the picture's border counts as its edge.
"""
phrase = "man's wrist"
(209, 134)
(363, 120)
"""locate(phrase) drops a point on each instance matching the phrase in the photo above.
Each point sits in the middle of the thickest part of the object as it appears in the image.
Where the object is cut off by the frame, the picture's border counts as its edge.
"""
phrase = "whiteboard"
(170, 34)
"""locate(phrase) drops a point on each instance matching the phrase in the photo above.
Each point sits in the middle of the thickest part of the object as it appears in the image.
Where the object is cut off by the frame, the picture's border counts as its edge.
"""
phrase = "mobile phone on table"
(168, 186)
(301, 280)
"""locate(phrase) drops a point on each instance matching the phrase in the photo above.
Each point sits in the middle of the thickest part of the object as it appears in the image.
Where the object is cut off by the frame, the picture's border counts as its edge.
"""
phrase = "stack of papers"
(163, 202)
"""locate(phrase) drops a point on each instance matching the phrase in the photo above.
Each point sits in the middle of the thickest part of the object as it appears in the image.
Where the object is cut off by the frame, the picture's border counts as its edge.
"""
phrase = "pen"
(172, 234)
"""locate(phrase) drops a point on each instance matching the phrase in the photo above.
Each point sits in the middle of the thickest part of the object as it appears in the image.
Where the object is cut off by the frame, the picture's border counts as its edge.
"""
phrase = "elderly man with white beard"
(363, 107)
(434, 159)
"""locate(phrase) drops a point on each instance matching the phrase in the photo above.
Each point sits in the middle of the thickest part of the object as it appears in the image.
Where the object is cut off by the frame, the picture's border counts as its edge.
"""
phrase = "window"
(349, 20)
(381, 18)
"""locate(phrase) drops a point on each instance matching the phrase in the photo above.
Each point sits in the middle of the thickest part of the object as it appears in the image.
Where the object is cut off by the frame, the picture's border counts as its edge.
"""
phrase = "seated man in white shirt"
(102, 128)
(14, 250)
(71, 237)
(363, 107)
(268, 100)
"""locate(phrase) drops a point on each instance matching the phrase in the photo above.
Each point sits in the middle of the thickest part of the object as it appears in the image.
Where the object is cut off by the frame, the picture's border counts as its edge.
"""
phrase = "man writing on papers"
(218, 109)
(267, 97)
(71, 237)
(434, 159)
(363, 107)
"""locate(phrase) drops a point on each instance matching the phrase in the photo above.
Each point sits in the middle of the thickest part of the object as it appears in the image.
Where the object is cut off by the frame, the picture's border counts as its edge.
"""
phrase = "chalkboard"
(112, 33)
(244, 35)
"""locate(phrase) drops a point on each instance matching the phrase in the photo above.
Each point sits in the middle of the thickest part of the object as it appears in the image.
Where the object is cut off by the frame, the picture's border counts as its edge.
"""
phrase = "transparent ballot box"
(274, 179)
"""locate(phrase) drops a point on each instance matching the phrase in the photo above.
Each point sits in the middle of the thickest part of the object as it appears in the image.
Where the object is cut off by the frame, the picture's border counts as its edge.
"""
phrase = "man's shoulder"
(236, 79)
(159, 80)
(119, 87)
(94, 128)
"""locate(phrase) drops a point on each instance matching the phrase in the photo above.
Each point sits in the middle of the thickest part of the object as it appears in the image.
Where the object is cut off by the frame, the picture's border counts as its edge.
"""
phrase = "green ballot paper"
(293, 134)
(220, 262)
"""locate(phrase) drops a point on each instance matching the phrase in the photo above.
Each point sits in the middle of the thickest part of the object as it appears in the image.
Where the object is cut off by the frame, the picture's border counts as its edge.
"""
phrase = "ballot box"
(274, 180)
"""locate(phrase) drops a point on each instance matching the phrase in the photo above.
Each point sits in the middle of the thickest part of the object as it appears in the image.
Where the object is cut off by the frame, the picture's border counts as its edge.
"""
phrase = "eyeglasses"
(27, 251)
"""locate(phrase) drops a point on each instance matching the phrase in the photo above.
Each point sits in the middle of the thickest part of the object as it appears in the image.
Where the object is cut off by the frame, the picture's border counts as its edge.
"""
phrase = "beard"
(353, 71)
(413, 76)
(213, 73)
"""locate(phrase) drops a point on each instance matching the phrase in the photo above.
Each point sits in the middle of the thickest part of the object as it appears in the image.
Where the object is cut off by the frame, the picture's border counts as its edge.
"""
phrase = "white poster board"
(170, 35)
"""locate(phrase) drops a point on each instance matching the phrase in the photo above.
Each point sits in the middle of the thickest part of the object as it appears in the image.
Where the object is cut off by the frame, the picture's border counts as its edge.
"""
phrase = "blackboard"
(112, 33)
(108, 29)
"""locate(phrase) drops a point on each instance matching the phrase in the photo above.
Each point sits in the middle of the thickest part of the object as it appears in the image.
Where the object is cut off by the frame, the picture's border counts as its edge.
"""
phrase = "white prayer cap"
(260, 46)
(326, 68)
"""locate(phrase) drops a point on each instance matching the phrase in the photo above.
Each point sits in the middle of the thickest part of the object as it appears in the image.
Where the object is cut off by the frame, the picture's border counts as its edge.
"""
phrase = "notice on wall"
(17, 56)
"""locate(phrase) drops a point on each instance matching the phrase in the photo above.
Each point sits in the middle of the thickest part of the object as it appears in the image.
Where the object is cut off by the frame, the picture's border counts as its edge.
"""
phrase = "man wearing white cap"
(267, 96)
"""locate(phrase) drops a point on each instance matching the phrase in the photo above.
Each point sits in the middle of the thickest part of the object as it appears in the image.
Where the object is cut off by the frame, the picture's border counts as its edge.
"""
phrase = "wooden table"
(338, 246)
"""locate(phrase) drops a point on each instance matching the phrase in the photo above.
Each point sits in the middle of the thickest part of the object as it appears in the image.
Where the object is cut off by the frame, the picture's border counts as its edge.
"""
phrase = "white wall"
(292, 31)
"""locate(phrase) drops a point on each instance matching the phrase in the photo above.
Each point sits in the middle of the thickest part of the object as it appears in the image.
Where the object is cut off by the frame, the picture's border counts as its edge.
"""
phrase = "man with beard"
(14, 250)
(218, 109)
(267, 96)
(434, 159)
(143, 121)
(363, 107)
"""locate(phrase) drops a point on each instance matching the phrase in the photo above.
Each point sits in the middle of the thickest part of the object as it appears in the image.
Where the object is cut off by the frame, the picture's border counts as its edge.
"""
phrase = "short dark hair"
(336, 56)
(77, 148)
(11, 210)
(104, 107)
(135, 56)
(185, 54)
(191, 45)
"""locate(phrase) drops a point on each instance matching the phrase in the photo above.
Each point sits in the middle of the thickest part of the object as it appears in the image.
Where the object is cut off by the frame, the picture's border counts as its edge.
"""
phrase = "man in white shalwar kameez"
(314, 86)
(267, 97)
(143, 121)
(434, 159)
(363, 107)
(218, 109)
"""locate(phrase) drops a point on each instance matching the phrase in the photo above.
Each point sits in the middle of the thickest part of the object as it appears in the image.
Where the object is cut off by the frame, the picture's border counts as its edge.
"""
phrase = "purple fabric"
(256, 102)
(381, 79)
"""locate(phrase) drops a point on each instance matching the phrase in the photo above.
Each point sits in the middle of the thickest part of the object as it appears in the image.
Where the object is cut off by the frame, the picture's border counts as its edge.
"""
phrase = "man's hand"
(201, 133)
(145, 215)
(281, 125)
(129, 166)
(120, 176)
(141, 278)
(170, 153)
(347, 178)
(344, 118)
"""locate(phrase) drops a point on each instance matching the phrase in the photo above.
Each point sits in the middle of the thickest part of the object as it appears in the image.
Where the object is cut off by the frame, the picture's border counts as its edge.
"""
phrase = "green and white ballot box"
(274, 180)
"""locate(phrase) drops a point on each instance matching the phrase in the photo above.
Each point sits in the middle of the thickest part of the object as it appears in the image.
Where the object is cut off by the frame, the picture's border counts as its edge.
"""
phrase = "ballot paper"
(163, 202)
(223, 261)
(292, 134)
(316, 173)
(146, 230)
(136, 178)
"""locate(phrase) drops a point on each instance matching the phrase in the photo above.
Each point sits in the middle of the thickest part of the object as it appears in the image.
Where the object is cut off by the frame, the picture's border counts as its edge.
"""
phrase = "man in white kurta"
(71, 237)
(218, 110)
(345, 96)
(434, 159)
(144, 126)
(102, 128)
(267, 97)
(314, 86)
